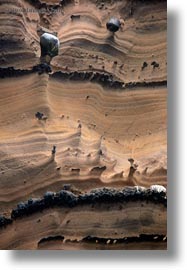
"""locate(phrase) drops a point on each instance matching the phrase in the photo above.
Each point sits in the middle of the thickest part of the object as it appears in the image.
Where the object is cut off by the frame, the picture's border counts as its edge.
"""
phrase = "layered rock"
(103, 108)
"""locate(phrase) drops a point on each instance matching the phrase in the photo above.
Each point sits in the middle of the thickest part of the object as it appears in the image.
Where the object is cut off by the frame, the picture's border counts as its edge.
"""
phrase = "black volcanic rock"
(65, 198)
(4, 221)
(113, 25)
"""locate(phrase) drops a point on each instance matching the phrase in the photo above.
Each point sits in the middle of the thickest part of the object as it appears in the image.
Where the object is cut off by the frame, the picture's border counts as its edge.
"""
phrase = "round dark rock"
(49, 45)
(113, 25)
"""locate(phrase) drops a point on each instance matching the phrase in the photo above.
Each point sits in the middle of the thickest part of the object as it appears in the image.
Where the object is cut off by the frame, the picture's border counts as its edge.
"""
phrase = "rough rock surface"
(103, 102)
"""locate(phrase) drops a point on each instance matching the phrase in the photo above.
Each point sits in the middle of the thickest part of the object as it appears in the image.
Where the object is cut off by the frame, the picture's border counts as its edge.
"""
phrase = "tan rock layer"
(102, 221)
(92, 127)
(85, 42)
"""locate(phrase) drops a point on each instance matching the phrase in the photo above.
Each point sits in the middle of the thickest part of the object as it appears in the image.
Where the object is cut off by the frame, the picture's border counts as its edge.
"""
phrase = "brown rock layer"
(104, 105)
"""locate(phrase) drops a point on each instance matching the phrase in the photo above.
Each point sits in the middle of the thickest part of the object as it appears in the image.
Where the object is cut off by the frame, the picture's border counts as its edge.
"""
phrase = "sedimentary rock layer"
(104, 216)
(94, 128)
(85, 42)
(103, 102)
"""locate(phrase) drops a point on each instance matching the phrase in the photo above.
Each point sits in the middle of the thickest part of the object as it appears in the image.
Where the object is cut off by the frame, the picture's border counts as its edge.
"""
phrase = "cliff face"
(104, 101)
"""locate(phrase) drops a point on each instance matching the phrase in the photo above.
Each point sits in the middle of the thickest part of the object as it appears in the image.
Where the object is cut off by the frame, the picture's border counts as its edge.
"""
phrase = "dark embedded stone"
(67, 198)
(49, 45)
(4, 221)
(21, 206)
(39, 115)
(53, 152)
(49, 195)
(113, 25)
(144, 65)
(42, 68)
(67, 187)
(155, 64)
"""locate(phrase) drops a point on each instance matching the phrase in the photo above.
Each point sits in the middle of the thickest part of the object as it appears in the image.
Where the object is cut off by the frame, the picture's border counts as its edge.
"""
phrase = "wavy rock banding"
(103, 101)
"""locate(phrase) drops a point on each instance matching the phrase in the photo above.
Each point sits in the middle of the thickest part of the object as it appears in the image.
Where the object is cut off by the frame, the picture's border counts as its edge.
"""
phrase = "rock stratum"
(96, 219)
(104, 102)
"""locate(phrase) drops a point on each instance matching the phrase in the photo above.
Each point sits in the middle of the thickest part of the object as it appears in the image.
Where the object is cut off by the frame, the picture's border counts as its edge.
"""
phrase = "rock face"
(103, 105)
